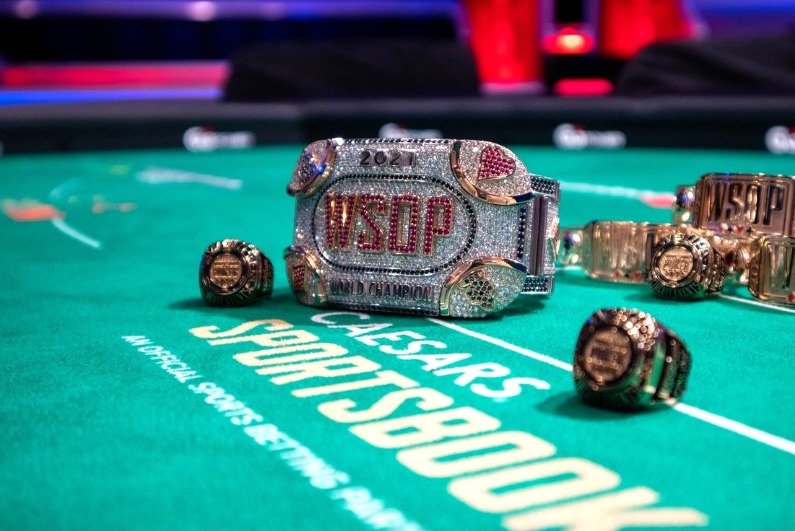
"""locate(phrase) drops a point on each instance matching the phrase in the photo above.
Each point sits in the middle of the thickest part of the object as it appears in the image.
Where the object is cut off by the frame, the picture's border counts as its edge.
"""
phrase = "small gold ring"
(234, 273)
(626, 359)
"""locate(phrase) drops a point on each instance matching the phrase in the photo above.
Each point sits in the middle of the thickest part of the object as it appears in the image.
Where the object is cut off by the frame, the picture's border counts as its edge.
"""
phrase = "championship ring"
(686, 266)
(234, 273)
(456, 228)
(771, 274)
(626, 359)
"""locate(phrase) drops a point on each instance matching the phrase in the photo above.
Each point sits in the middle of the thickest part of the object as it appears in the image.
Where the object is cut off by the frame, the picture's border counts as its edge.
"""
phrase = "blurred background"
(493, 58)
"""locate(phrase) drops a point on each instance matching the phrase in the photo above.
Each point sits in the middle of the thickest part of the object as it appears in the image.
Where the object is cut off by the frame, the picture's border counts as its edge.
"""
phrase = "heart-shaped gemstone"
(494, 164)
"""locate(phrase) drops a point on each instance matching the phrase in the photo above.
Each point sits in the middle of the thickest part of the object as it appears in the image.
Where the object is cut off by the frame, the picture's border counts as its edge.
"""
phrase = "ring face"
(685, 266)
(771, 276)
(675, 263)
(225, 270)
(745, 204)
(396, 222)
(626, 359)
(234, 273)
(606, 355)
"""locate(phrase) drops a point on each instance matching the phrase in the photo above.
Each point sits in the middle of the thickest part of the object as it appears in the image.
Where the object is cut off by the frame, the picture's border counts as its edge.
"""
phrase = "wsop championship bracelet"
(752, 217)
(615, 251)
(740, 204)
(445, 227)
(626, 359)
(676, 260)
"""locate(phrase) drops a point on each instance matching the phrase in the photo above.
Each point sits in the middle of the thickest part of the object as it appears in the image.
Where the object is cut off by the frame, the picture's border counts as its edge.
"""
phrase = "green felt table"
(126, 404)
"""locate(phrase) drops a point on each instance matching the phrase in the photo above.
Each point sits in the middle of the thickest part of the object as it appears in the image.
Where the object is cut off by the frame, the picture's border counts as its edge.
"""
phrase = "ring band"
(429, 226)
(626, 359)
(234, 273)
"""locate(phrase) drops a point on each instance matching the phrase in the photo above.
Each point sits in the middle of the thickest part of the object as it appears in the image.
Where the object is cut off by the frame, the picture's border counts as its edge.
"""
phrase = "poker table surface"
(127, 403)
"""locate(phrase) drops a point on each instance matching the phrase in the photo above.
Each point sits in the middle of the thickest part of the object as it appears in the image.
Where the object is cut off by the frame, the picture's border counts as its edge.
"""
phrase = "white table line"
(56, 195)
(614, 191)
(739, 428)
(62, 226)
(504, 344)
(758, 303)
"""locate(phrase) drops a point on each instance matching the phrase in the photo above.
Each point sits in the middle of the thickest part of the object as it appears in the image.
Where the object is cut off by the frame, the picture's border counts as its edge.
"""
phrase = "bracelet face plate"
(771, 276)
(745, 204)
(436, 227)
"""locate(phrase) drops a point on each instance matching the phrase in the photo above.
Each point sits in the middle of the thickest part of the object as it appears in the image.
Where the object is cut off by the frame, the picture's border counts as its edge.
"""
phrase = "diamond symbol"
(297, 274)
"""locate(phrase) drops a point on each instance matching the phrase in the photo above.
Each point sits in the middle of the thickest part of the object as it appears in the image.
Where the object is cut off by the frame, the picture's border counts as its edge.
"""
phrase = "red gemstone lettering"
(371, 239)
(403, 221)
(438, 221)
(339, 220)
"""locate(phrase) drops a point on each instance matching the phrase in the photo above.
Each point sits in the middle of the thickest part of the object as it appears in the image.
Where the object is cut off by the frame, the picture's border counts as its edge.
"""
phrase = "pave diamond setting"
(389, 223)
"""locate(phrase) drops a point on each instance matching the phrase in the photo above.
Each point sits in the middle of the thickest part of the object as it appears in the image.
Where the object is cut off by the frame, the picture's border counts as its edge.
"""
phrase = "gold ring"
(686, 266)
(626, 359)
(234, 273)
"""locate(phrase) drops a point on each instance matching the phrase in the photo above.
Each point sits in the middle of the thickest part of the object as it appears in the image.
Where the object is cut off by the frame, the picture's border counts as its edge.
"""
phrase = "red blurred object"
(568, 41)
(626, 26)
(129, 75)
(504, 35)
(27, 210)
(583, 87)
